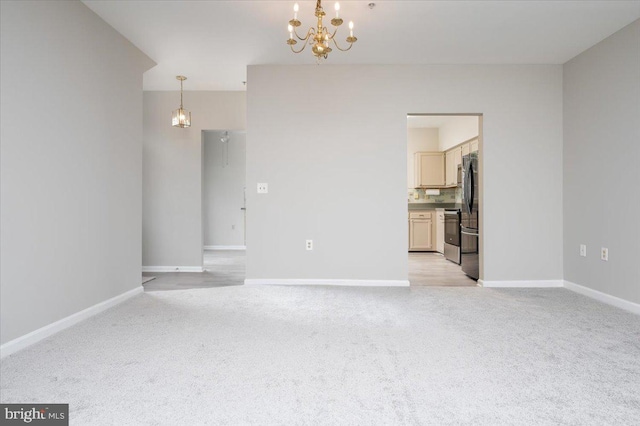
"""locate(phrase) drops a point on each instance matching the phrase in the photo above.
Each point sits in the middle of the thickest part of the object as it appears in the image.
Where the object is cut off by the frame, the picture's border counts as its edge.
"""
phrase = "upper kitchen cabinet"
(453, 158)
(473, 145)
(470, 146)
(465, 149)
(429, 169)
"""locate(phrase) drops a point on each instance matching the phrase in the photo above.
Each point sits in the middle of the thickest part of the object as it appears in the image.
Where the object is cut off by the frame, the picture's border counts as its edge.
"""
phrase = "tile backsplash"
(447, 195)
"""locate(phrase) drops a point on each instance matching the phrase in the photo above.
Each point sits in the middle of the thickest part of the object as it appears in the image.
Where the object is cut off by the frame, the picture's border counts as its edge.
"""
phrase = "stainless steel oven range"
(452, 235)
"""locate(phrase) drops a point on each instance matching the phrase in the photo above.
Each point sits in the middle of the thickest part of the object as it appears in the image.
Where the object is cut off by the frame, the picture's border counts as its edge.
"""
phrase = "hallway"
(222, 268)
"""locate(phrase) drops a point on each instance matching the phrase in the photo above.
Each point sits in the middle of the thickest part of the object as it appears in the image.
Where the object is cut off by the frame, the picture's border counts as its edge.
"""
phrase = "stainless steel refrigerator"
(470, 232)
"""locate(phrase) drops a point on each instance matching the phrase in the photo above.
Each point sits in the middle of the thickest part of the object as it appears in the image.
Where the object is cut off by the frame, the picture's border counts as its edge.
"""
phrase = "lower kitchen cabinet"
(421, 229)
(440, 231)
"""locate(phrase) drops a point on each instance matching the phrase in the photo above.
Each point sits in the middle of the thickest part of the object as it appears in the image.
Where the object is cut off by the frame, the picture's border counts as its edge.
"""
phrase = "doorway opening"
(224, 204)
(444, 194)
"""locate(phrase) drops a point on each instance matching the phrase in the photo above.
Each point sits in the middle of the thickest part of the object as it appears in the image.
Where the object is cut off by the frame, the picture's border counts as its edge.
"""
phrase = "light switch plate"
(604, 254)
(263, 188)
(583, 250)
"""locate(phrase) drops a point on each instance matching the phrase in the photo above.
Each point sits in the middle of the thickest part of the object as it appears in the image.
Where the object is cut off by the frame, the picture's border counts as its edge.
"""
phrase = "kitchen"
(443, 199)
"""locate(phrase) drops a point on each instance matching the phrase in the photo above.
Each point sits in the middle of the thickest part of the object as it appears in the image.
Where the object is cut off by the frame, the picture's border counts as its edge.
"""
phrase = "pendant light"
(181, 117)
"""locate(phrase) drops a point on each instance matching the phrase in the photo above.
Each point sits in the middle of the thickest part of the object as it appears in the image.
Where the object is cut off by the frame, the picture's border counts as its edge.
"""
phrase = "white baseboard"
(603, 297)
(225, 247)
(172, 269)
(42, 333)
(355, 283)
(521, 284)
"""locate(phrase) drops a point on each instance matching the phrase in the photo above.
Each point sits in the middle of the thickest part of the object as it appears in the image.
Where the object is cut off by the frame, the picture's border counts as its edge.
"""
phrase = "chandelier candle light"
(181, 117)
(318, 37)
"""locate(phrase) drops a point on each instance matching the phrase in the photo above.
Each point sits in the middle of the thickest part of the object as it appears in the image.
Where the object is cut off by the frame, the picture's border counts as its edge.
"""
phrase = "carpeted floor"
(341, 356)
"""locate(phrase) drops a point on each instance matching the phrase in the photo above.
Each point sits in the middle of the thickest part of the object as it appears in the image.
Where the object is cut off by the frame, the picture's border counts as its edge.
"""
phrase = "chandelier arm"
(338, 46)
(298, 51)
(309, 34)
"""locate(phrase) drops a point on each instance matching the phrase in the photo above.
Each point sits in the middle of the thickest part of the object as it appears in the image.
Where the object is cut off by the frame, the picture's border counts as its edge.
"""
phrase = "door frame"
(480, 174)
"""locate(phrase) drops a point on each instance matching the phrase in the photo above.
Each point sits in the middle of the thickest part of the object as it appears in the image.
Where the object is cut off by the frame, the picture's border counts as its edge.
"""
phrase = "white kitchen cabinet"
(429, 169)
(473, 145)
(469, 147)
(439, 224)
(449, 164)
(421, 229)
(465, 149)
(458, 161)
(453, 158)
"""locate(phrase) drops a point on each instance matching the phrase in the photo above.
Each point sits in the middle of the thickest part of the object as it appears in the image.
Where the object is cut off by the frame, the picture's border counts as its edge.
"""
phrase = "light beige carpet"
(242, 355)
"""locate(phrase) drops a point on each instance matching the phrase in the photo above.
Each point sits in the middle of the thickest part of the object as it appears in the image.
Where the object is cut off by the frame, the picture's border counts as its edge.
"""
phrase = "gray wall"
(71, 167)
(172, 171)
(223, 189)
(337, 174)
(601, 152)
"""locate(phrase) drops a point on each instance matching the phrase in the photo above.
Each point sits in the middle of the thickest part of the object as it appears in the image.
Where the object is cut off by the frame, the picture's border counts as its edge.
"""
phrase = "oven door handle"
(470, 233)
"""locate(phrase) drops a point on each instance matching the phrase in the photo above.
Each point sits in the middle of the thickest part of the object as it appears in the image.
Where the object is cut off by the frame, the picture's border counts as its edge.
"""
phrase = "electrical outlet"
(309, 244)
(583, 250)
(604, 254)
(263, 188)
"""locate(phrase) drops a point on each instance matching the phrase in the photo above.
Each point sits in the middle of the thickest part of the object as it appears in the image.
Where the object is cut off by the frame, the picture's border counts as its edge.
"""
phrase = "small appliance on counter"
(470, 232)
(452, 235)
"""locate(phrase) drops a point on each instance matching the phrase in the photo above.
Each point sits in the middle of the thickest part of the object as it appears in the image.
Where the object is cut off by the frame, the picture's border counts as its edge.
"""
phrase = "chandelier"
(319, 37)
(181, 117)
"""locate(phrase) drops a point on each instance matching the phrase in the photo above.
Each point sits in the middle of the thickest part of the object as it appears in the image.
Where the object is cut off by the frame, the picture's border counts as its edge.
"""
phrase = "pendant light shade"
(181, 117)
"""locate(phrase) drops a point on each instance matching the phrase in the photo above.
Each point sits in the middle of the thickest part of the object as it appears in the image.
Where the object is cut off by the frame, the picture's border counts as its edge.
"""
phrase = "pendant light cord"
(181, 94)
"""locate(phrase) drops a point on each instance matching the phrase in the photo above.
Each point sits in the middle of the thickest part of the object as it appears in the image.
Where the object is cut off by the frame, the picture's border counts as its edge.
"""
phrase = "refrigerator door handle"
(465, 186)
(468, 187)
(472, 186)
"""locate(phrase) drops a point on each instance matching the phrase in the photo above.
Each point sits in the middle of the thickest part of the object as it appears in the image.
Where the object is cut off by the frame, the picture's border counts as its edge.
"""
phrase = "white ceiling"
(212, 42)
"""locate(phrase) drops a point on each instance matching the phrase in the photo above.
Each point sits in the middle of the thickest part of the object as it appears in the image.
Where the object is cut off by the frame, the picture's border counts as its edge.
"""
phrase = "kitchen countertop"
(433, 206)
